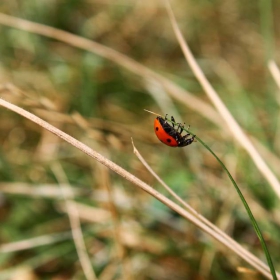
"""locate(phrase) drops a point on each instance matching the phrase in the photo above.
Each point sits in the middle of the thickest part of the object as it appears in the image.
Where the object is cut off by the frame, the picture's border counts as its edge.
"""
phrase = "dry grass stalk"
(34, 242)
(75, 225)
(275, 72)
(234, 127)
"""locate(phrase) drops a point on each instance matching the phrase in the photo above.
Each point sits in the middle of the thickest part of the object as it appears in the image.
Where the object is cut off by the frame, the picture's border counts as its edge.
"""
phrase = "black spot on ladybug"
(168, 140)
(156, 128)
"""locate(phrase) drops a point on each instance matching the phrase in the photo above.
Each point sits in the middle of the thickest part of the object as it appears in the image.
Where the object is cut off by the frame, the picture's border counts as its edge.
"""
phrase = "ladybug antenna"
(153, 113)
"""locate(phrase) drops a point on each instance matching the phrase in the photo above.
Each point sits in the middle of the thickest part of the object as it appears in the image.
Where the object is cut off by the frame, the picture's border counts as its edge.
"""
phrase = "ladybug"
(170, 135)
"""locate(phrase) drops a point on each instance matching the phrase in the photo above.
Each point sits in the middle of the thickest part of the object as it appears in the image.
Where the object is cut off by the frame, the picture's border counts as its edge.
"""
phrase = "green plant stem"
(251, 216)
(253, 220)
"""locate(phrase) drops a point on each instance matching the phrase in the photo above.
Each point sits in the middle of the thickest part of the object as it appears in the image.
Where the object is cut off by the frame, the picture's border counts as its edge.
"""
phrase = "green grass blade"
(252, 218)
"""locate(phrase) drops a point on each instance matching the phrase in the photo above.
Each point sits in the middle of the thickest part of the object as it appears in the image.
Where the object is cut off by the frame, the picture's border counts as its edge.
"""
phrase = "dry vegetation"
(89, 68)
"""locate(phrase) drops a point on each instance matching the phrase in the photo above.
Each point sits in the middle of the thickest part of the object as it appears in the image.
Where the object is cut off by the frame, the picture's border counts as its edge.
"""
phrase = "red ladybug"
(170, 135)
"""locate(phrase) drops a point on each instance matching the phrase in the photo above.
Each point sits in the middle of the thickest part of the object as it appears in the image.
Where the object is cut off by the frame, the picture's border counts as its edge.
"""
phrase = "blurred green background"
(101, 103)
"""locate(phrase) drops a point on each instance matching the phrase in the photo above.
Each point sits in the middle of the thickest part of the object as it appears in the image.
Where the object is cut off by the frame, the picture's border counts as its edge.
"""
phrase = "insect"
(170, 135)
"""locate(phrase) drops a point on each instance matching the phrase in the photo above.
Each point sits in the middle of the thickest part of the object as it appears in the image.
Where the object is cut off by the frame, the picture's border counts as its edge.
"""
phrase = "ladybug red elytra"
(170, 135)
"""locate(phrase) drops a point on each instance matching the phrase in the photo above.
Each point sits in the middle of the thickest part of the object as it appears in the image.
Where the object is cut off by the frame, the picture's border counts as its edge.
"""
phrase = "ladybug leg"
(187, 129)
(165, 118)
(187, 141)
(173, 121)
(185, 137)
(181, 127)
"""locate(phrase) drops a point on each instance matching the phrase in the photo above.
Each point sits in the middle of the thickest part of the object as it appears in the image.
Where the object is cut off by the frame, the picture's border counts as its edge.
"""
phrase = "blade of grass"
(249, 212)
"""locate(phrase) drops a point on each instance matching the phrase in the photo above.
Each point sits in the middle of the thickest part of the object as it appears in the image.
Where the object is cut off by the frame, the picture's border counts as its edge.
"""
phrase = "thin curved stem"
(250, 214)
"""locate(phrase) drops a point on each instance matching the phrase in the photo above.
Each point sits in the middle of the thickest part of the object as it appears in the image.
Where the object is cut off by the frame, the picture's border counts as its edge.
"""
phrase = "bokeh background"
(101, 103)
